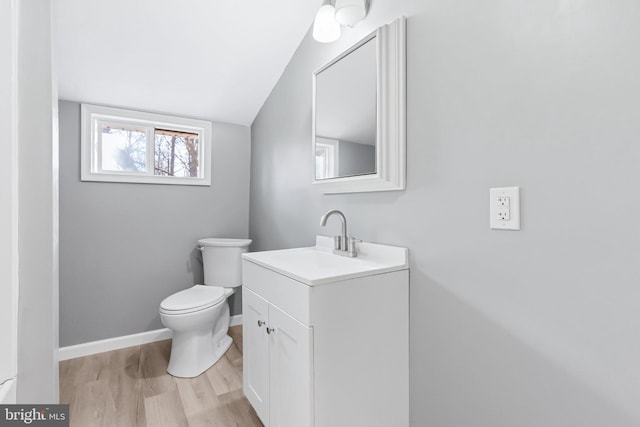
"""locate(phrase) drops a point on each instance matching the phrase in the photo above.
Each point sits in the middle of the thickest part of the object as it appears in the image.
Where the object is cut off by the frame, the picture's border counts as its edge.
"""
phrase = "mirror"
(345, 137)
(358, 137)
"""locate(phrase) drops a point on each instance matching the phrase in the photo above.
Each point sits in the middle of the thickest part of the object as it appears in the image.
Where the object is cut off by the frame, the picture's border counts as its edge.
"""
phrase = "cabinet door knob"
(260, 323)
(270, 330)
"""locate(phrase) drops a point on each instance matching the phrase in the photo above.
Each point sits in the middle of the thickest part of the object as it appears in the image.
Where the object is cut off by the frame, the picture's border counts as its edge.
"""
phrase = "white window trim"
(333, 160)
(92, 115)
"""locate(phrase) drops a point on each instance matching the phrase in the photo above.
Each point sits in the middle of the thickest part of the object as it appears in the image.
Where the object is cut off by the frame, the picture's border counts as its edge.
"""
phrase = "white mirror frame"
(391, 136)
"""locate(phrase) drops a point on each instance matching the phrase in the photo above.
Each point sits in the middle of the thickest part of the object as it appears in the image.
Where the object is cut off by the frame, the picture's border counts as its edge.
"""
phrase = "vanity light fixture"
(325, 27)
(350, 12)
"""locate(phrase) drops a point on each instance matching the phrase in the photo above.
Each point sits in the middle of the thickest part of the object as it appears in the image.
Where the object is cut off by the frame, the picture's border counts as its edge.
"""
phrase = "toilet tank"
(222, 261)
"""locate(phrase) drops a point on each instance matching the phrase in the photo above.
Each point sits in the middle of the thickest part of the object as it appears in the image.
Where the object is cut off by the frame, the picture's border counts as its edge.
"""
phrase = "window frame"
(332, 148)
(93, 116)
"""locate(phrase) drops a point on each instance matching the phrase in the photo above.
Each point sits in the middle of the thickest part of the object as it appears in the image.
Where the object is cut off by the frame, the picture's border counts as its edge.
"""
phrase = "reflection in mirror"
(345, 114)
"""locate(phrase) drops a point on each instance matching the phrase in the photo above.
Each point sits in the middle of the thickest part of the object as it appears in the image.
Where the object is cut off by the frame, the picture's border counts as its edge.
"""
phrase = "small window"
(132, 146)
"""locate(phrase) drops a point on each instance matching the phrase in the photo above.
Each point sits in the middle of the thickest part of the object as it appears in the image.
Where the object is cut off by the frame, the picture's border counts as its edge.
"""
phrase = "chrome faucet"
(342, 245)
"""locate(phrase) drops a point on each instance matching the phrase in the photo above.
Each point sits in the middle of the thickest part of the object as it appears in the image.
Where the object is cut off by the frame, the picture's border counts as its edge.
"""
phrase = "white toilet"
(199, 316)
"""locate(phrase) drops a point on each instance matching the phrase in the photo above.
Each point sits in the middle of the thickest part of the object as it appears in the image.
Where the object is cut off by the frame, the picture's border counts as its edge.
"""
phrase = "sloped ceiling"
(211, 59)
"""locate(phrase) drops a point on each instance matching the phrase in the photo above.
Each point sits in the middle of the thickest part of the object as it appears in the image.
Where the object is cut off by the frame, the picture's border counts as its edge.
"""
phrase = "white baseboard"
(85, 349)
(117, 343)
(235, 320)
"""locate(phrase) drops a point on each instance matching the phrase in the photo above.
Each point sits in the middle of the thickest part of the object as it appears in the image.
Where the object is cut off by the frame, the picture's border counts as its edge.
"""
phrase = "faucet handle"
(353, 250)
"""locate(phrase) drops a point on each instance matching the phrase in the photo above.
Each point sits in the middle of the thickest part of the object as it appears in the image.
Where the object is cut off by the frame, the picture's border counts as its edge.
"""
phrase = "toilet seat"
(196, 298)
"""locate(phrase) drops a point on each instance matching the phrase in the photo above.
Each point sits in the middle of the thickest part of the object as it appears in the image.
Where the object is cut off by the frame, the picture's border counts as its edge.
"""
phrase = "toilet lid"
(196, 297)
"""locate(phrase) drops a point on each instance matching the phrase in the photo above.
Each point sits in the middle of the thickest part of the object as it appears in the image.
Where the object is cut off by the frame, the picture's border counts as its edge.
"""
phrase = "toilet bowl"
(199, 316)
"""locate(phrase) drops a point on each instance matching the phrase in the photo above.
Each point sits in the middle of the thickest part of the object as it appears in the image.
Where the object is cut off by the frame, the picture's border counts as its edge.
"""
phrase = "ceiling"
(210, 59)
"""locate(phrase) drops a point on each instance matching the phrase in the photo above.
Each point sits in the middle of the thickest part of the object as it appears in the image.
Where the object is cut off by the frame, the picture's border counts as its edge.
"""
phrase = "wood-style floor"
(131, 387)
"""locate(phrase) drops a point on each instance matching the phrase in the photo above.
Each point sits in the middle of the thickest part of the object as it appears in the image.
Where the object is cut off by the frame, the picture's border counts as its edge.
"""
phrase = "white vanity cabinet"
(277, 370)
(326, 338)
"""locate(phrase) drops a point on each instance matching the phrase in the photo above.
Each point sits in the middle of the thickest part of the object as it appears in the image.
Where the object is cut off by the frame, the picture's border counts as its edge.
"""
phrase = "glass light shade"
(350, 12)
(325, 27)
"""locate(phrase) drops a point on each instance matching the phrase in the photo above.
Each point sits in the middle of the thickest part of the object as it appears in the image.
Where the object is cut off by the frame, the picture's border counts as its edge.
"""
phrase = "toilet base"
(186, 363)
(199, 340)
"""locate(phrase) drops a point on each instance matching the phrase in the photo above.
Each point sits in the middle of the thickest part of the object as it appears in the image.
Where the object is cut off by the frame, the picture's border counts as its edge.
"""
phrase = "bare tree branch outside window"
(176, 153)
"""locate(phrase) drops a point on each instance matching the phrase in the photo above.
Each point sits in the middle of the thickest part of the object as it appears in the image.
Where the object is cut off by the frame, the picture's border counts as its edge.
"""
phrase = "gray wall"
(356, 159)
(125, 247)
(531, 328)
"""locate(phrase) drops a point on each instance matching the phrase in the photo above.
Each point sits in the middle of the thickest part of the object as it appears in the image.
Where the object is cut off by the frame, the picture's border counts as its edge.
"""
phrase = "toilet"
(199, 316)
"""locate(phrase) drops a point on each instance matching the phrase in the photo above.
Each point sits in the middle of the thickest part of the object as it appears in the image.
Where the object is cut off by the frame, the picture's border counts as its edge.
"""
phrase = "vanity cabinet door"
(291, 371)
(256, 353)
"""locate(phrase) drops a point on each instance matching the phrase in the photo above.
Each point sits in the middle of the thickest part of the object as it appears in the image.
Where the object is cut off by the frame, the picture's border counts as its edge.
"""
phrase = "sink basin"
(317, 265)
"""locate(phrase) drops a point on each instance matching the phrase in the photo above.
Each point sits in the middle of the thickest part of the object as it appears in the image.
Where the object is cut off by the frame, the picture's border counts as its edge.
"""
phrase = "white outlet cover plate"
(513, 193)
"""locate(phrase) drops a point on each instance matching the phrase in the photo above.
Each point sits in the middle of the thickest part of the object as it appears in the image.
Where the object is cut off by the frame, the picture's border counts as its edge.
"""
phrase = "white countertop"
(318, 265)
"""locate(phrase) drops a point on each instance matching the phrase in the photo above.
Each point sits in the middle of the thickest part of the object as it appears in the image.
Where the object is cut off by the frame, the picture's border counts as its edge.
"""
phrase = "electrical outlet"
(503, 202)
(504, 208)
(504, 215)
